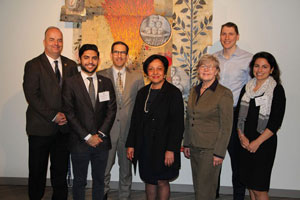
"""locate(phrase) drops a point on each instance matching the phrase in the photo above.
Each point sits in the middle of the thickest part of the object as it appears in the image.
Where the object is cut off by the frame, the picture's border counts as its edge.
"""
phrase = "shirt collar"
(51, 60)
(212, 87)
(85, 76)
(116, 71)
(237, 52)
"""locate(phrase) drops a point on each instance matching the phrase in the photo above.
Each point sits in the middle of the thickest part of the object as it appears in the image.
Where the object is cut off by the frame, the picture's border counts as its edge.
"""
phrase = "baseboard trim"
(174, 187)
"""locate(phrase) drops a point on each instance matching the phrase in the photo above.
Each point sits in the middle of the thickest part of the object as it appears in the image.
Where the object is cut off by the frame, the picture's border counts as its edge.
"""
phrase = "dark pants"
(40, 147)
(80, 163)
(233, 148)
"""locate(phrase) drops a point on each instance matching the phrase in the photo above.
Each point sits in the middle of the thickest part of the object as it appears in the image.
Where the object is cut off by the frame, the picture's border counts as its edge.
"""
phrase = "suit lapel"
(64, 67)
(48, 68)
(100, 89)
(128, 84)
(84, 91)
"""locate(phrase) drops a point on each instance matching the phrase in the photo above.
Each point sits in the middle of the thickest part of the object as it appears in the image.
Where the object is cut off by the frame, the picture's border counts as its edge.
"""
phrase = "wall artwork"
(155, 30)
(181, 30)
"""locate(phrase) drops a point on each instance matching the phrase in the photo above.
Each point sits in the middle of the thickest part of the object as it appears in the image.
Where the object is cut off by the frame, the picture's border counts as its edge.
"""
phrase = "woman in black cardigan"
(261, 110)
(156, 130)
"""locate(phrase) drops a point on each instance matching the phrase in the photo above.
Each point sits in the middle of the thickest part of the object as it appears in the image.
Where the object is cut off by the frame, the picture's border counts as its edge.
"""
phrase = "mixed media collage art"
(181, 30)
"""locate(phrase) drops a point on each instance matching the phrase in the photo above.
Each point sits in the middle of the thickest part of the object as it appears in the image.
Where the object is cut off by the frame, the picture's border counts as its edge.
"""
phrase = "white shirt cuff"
(87, 137)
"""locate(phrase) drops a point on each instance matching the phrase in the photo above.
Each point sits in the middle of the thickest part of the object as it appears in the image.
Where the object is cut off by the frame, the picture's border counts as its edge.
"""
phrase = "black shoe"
(105, 197)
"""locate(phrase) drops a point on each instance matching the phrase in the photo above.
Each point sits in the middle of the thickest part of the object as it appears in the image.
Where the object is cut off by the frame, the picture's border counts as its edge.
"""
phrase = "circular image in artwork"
(155, 30)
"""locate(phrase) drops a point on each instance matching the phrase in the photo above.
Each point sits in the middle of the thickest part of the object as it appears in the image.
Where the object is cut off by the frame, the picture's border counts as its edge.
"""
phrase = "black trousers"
(80, 162)
(40, 148)
(233, 148)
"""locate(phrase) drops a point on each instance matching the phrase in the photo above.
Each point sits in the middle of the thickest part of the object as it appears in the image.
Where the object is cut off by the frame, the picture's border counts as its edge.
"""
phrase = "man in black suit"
(46, 124)
(90, 106)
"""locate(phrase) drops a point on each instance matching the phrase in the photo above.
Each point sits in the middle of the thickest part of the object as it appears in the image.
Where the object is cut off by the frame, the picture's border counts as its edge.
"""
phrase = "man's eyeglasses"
(122, 53)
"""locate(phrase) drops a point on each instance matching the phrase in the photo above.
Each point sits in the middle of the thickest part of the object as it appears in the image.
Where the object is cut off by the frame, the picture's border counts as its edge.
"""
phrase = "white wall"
(269, 25)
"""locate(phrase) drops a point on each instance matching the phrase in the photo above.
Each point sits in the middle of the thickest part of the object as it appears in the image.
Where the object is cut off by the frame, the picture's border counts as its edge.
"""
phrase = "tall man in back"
(234, 66)
(90, 106)
(46, 124)
(126, 83)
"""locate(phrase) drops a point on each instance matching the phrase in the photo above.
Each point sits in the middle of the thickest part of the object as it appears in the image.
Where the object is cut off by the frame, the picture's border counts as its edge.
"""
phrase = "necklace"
(145, 106)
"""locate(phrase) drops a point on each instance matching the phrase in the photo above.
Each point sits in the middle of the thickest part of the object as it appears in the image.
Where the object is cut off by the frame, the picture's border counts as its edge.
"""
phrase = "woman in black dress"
(261, 111)
(156, 130)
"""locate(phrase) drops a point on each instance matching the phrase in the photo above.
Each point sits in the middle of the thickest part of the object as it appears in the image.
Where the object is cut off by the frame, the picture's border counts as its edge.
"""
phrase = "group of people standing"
(238, 105)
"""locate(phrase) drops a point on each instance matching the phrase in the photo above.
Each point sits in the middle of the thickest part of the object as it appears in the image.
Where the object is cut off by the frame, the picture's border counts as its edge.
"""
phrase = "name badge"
(103, 96)
(261, 100)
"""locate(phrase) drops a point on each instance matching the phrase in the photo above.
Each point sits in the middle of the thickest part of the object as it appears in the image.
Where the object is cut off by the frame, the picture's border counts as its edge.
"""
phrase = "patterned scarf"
(266, 91)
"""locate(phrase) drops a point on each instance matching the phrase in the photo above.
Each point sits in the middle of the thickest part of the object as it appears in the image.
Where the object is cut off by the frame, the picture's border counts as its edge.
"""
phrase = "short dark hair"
(86, 47)
(122, 43)
(230, 24)
(271, 60)
(163, 59)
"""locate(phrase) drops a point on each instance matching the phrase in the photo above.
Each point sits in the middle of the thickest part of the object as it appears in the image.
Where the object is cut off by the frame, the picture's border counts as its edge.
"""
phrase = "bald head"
(50, 28)
(53, 42)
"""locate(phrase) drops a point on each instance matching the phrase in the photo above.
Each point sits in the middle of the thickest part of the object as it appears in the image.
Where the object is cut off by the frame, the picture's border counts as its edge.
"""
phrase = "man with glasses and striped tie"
(126, 82)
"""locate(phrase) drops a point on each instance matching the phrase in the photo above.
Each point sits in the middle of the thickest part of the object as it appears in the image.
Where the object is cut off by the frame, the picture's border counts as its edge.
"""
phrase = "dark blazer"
(82, 117)
(164, 123)
(43, 94)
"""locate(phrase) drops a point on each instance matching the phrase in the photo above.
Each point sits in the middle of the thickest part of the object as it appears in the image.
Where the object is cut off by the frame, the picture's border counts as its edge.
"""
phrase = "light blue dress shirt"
(234, 72)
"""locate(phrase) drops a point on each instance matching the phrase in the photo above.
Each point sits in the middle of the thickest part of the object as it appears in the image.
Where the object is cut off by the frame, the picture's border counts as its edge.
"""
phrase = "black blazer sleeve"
(277, 109)
(69, 99)
(176, 122)
(33, 90)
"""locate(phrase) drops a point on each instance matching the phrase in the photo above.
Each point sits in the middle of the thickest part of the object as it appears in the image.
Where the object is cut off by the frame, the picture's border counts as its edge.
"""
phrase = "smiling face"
(228, 37)
(53, 43)
(262, 69)
(119, 56)
(207, 71)
(89, 62)
(156, 73)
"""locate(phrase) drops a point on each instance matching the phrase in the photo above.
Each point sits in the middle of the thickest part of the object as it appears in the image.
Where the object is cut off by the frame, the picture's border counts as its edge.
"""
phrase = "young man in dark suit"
(46, 124)
(90, 106)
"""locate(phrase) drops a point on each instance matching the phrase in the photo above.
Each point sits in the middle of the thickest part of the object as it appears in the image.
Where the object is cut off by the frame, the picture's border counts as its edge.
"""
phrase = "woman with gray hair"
(208, 127)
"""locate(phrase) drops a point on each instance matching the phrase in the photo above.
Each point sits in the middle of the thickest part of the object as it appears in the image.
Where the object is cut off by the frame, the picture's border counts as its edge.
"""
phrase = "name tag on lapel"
(103, 96)
(259, 101)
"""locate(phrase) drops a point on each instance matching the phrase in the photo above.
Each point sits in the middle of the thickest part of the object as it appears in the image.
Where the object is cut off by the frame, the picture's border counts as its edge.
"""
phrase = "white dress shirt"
(51, 61)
